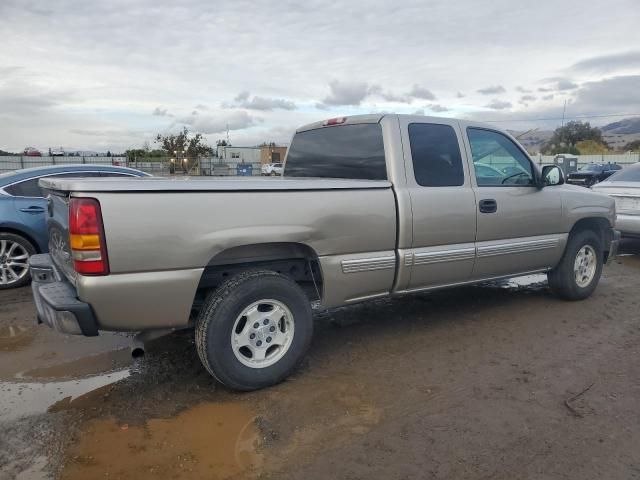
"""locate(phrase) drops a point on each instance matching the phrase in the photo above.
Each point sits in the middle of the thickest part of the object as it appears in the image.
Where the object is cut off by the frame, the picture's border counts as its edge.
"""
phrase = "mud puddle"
(21, 399)
(209, 441)
(86, 366)
(16, 337)
(525, 282)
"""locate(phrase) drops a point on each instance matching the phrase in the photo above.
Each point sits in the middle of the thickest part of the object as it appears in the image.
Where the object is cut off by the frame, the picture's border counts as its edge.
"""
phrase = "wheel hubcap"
(13, 262)
(262, 333)
(584, 267)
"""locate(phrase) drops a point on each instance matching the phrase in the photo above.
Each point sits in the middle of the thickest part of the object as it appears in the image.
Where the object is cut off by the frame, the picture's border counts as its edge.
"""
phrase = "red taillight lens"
(86, 237)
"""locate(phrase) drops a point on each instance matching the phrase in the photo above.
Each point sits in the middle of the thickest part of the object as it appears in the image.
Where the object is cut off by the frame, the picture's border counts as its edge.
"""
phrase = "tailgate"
(58, 232)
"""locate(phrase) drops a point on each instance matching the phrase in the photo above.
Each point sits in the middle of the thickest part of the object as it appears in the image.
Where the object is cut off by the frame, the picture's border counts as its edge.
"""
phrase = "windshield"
(630, 174)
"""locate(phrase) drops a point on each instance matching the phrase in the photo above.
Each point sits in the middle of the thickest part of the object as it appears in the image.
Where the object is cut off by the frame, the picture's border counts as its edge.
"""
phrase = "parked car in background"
(23, 214)
(31, 152)
(624, 187)
(272, 169)
(593, 173)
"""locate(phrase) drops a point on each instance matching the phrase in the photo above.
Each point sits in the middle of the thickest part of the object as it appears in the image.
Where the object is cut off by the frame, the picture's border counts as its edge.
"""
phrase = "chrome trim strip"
(368, 264)
(367, 297)
(425, 258)
(517, 247)
(408, 259)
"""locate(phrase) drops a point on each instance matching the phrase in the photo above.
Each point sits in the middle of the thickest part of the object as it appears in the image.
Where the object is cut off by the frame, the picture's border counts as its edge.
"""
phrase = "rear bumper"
(57, 301)
(628, 224)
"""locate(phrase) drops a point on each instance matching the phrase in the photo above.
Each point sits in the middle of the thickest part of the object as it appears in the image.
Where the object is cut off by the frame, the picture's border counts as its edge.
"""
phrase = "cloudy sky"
(110, 75)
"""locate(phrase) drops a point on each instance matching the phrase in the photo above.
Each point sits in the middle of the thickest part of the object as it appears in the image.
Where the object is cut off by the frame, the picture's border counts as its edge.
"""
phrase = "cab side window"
(436, 155)
(497, 160)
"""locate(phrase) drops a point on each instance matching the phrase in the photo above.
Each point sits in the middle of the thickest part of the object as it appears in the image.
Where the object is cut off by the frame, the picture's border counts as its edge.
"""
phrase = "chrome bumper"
(56, 300)
(628, 224)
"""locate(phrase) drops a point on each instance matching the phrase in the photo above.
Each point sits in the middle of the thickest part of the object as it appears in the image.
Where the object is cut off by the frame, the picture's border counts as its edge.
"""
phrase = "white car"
(624, 187)
(272, 169)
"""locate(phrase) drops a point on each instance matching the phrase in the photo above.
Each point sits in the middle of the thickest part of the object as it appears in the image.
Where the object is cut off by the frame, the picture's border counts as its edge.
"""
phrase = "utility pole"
(564, 109)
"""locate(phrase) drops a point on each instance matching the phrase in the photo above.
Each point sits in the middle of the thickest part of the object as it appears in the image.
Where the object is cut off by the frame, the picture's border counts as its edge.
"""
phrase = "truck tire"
(254, 329)
(579, 270)
(15, 251)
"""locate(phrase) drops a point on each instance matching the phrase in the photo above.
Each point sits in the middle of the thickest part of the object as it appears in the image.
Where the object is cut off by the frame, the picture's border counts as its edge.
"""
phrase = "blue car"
(23, 214)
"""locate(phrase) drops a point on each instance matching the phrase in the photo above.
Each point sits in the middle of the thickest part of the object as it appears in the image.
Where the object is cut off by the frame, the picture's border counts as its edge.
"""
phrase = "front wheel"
(578, 273)
(14, 260)
(254, 329)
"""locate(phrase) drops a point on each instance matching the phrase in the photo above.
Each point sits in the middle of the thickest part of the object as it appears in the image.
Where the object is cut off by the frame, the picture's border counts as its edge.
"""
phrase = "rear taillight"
(86, 237)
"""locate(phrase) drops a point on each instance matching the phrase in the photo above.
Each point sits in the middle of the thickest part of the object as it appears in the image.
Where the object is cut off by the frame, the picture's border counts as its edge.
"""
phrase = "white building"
(233, 154)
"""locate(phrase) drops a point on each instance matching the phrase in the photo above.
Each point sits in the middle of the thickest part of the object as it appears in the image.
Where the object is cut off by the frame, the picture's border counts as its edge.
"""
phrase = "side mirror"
(552, 175)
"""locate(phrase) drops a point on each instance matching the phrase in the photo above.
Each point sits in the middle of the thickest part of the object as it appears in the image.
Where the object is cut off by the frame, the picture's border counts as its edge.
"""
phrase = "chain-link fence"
(214, 166)
(163, 166)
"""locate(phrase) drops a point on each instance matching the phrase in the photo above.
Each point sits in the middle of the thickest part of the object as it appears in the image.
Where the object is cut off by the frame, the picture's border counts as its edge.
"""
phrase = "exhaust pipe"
(138, 343)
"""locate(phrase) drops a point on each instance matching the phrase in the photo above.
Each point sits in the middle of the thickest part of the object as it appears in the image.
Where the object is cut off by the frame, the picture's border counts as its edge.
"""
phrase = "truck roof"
(376, 117)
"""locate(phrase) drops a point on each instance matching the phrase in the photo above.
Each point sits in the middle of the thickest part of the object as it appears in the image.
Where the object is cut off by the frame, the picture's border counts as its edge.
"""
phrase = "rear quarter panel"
(159, 243)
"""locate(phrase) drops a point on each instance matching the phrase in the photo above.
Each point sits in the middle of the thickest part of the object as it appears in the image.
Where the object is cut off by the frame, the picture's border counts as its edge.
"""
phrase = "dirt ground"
(494, 381)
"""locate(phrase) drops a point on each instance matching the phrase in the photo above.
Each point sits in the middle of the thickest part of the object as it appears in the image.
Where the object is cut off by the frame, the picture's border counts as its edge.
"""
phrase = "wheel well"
(599, 225)
(20, 233)
(295, 260)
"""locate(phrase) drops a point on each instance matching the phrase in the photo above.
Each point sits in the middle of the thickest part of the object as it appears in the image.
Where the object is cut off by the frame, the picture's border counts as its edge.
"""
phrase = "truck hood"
(205, 184)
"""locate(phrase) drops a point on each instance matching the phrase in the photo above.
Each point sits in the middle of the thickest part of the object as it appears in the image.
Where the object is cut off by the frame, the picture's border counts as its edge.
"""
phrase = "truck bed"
(207, 184)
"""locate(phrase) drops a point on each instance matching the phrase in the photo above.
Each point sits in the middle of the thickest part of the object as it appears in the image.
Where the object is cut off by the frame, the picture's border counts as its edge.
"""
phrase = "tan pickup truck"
(369, 206)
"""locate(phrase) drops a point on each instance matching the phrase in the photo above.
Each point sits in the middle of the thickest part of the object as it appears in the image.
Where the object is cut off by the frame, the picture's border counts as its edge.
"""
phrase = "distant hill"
(623, 127)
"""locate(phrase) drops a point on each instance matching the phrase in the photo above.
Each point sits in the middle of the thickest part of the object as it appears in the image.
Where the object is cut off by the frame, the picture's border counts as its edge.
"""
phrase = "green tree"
(185, 147)
(564, 138)
(591, 147)
(632, 146)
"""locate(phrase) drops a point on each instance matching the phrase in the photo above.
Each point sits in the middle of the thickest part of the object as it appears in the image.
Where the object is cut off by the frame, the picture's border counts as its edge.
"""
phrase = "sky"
(110, 75)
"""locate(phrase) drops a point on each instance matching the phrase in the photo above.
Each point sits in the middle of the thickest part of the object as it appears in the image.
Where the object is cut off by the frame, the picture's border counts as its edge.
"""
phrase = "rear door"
(442, 202)
(519, 225)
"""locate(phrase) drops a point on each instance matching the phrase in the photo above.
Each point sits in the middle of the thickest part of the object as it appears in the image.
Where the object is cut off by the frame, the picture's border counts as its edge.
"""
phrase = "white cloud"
(209, 124)
(418, 91)
(492, 90)
(72, 65)
(242, 100)
(499, 104)
(347, 93)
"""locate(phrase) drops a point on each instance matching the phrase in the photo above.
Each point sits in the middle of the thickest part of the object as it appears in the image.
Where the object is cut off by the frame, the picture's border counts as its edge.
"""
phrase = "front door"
(442, 202)
(519, 224)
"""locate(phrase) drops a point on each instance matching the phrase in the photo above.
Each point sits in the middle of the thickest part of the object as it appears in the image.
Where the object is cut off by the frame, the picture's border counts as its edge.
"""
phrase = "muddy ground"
(495, 381)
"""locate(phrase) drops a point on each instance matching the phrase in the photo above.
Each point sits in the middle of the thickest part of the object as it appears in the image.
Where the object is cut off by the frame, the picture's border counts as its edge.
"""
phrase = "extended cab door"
(442, 203)
(519, 224)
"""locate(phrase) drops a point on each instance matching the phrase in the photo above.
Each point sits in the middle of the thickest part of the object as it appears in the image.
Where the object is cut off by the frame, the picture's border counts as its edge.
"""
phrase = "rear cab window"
(436, 157)
(344, 151)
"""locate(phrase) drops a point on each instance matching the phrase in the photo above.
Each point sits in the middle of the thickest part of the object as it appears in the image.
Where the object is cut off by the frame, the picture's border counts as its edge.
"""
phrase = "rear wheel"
(578, 273)
(14, 260)
(254, 329)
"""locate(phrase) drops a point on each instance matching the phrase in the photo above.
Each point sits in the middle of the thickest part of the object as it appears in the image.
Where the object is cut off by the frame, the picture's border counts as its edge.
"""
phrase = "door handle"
(32, 209)
(488, 205)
